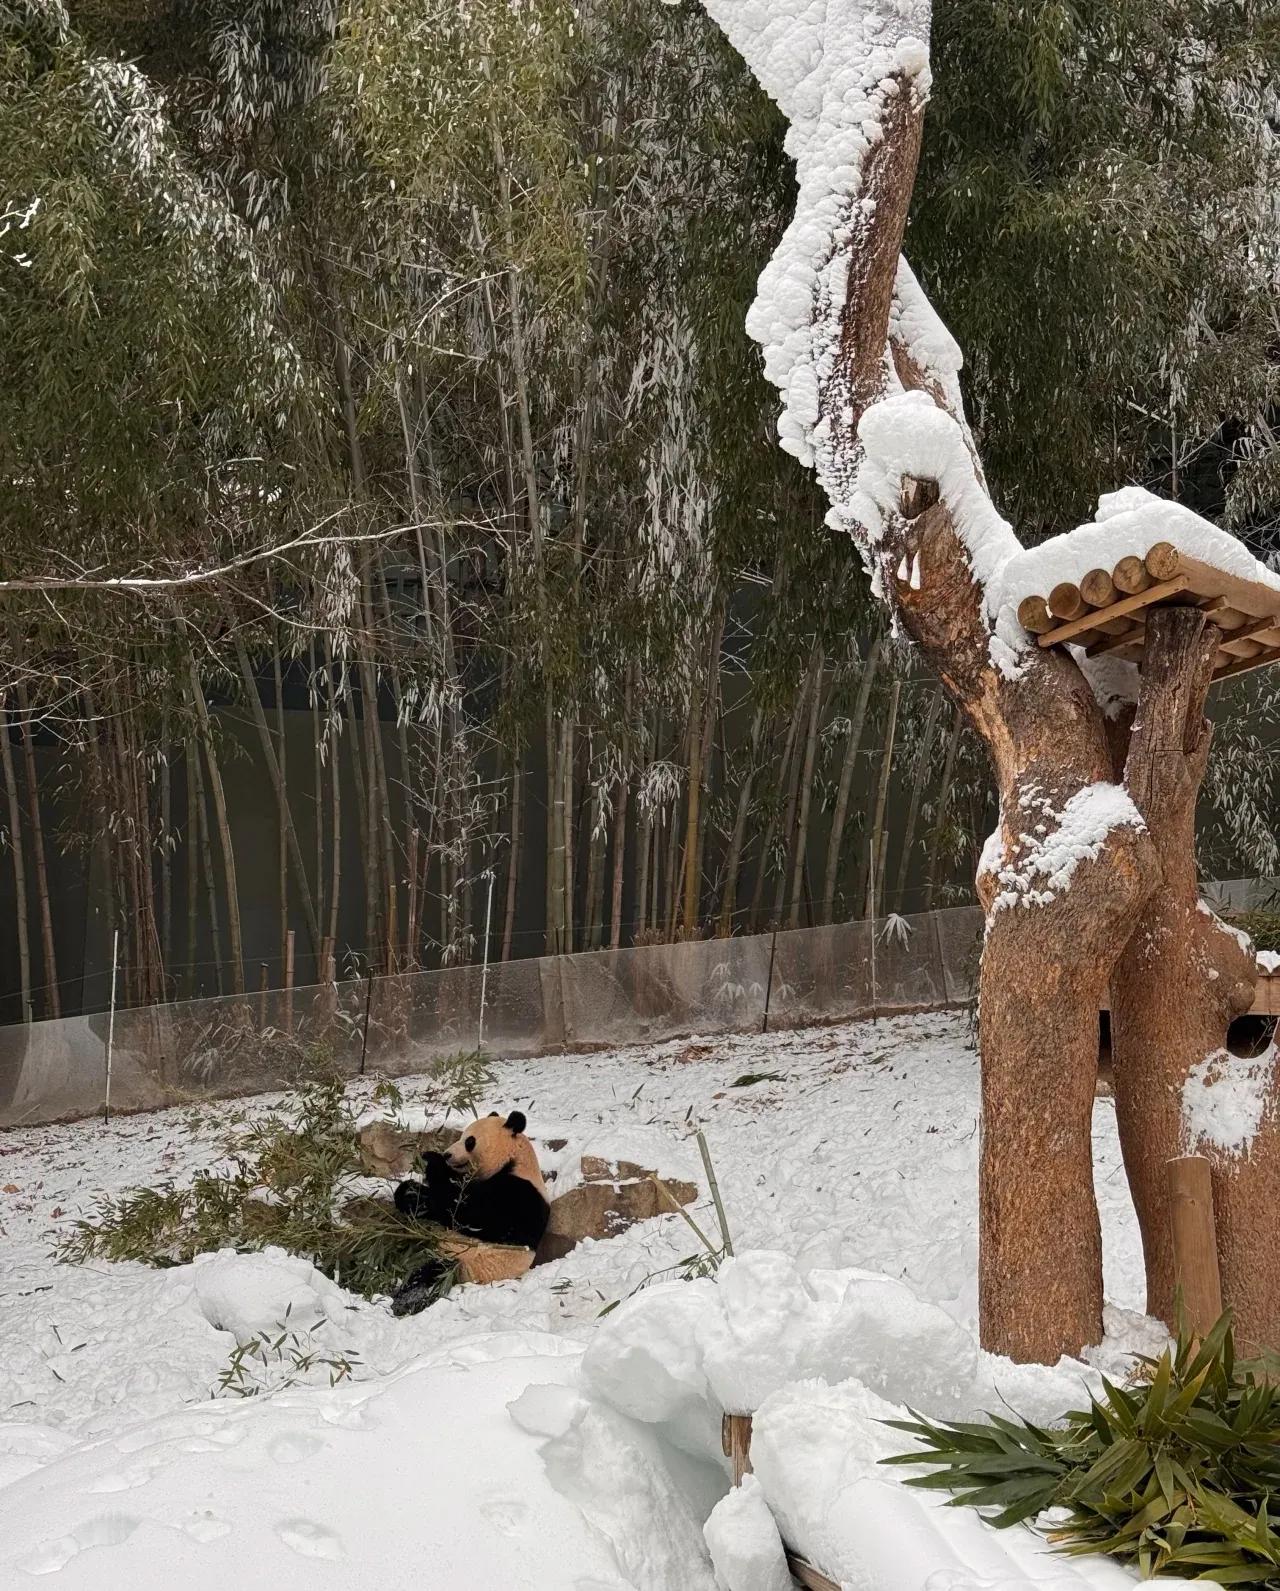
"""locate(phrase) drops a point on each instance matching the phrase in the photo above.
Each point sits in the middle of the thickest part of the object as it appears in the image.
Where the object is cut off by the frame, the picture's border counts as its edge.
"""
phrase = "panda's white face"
(487, 1145)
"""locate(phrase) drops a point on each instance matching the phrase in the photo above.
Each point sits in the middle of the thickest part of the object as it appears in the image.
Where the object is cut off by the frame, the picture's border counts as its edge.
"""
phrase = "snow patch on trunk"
(1224, 1100)
(1042, 863)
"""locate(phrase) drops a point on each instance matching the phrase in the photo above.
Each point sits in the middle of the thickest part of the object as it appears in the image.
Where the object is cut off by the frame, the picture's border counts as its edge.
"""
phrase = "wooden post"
(735, 1439)
(289, 939)
(262, 997)
(1195, 1249)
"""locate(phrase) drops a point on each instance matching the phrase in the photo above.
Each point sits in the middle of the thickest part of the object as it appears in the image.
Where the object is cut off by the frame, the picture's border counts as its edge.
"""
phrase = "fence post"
(1195, 1245)
(735, 1440)
(484, 976)
(768, 986)
(368, 1002)
(288, 981)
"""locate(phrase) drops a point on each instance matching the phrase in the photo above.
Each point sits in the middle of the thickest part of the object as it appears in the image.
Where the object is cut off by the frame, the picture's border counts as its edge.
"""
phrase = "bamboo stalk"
(52, 1003)
(875, 852)
(19, 867)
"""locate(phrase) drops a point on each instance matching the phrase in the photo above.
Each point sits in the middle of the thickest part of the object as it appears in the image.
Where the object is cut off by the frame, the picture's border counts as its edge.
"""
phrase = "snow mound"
(358, 1487)
(746, 1548)
(676, 1355)
(816, 1452)
(248, 1294)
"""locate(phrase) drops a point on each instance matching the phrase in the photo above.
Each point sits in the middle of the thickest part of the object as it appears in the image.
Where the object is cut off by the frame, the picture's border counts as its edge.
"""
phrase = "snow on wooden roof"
(1093, 586)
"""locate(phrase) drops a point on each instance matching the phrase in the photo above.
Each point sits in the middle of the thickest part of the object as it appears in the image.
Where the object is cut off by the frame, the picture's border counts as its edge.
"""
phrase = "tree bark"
(737, 841)
(276, 772)
(1047, 957)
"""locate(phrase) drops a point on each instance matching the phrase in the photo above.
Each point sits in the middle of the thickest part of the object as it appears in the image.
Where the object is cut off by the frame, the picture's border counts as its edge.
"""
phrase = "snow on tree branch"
(842, 73)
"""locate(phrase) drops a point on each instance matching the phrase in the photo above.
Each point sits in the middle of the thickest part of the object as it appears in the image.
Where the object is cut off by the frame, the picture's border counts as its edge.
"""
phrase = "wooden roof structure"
(1105, 611)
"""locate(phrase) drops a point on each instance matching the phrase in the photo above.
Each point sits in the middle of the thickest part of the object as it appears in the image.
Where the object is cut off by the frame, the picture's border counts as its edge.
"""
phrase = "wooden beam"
(1135, 636)
(812, 1579)
(1117, 610)
(1195, 1242)
(1267, 630)
(1245, 664)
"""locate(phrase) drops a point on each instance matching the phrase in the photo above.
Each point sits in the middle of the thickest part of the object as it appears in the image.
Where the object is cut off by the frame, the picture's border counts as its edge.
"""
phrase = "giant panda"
(488, 1192)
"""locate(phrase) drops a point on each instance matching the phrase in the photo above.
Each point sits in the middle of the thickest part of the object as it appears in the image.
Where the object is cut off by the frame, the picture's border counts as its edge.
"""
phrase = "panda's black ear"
(493, 1113)
(516, 1121)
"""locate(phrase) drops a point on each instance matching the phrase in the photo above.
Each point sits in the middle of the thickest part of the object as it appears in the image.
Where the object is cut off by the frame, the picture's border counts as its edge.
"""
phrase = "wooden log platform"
(1105, 613)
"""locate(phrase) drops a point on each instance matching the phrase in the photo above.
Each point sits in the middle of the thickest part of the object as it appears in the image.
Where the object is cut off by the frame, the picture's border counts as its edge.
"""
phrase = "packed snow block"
(249, 1294)
(742, 1537)
(611, 1197)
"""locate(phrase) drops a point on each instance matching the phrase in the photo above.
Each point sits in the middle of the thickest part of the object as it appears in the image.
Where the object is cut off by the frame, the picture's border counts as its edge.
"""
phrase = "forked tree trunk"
(1047, 956)
(1181, 980)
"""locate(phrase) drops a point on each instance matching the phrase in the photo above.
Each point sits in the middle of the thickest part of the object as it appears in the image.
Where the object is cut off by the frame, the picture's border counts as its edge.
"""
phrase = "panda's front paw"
(435, 1167)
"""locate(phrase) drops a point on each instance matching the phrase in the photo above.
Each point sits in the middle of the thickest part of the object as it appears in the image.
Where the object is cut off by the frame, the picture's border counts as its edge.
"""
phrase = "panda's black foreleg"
(417, 1201)
(423, 1287)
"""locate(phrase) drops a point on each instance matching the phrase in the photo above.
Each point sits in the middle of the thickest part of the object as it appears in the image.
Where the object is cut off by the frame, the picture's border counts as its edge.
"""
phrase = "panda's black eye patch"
(469, 1145)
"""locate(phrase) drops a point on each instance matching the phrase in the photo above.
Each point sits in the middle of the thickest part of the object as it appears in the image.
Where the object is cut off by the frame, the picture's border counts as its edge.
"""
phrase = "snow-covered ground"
(524, 1435)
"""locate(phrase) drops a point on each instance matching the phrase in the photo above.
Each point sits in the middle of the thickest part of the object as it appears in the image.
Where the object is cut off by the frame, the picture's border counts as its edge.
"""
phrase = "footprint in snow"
(106, 1530)
(204, 1526)
(294, 1447)
(310, 1540)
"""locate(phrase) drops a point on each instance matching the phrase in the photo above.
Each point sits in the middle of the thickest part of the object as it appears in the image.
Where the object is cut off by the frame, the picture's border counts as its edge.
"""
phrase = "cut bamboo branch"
(1195, 1248)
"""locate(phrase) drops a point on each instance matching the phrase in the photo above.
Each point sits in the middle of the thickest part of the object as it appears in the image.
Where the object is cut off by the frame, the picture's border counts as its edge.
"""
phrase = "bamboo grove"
(379, 435)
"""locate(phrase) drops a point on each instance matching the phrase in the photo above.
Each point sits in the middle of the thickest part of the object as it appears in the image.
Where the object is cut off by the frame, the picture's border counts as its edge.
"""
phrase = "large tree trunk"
(1047, 958)
(1181, 980)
